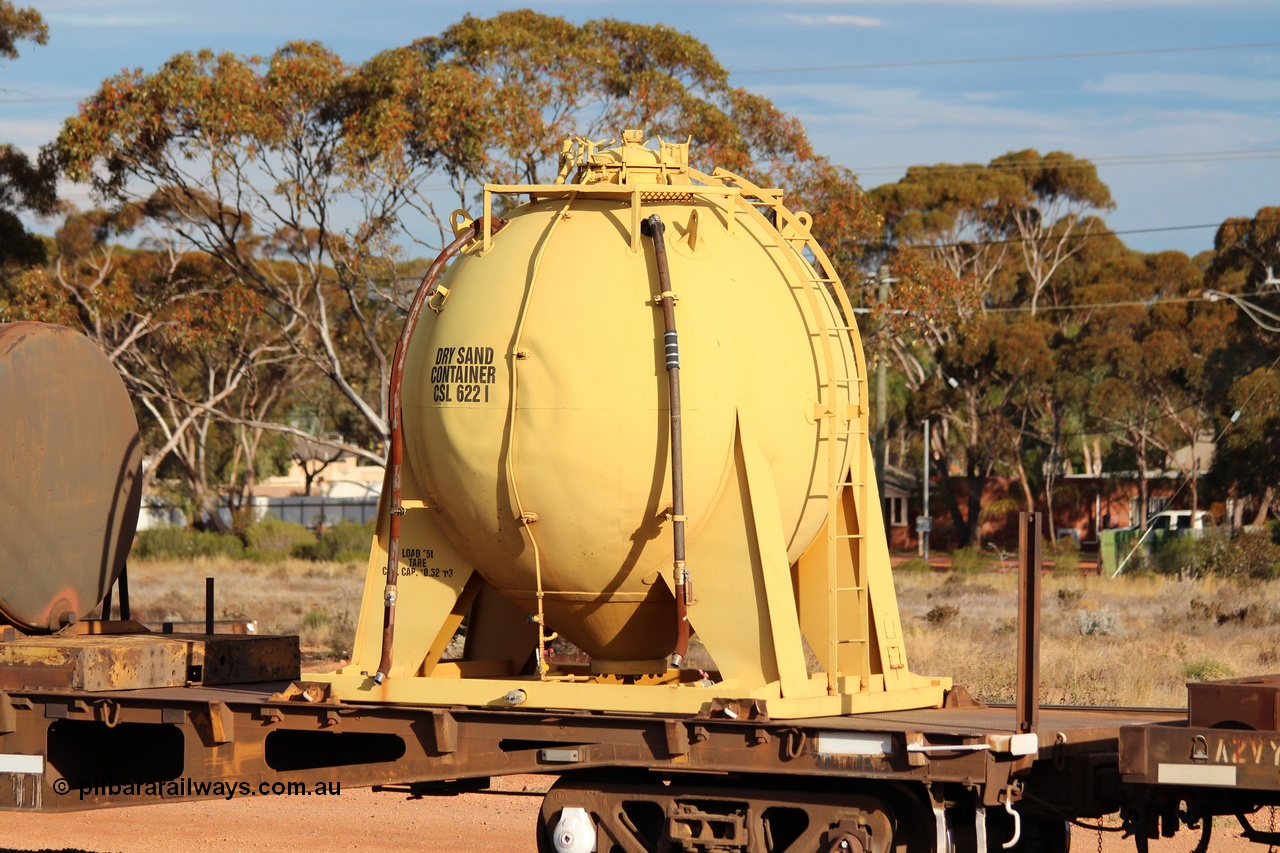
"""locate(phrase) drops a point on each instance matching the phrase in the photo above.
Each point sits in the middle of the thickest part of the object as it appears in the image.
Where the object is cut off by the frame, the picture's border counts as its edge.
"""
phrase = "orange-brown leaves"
(928, 301)
(1246, 251)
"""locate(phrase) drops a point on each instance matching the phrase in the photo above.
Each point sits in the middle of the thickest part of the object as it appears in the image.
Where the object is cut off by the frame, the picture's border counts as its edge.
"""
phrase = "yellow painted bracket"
(774, 567)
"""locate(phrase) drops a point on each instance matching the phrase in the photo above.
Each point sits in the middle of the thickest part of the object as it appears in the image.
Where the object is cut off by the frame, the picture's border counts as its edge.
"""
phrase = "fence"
(312, 511)
(307, 511)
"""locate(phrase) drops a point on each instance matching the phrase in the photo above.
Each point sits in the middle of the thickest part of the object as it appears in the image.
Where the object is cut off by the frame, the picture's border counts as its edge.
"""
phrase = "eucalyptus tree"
(302, 178)
(975, 248)
(24, 185)
(1242, 276)
(187, 338)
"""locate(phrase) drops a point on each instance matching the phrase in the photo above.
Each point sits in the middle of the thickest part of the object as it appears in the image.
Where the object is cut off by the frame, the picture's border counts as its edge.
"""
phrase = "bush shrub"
(1065, 554)
(1250, 555)
(915, 564)
(322, 631)
(267, 541)
(1253, 556)
(346, 541)
(1097, 623)
(941, 614)
(970, 561)
(1184, 555)
(178, 543)
(273, 536)
(1207, 670)
(349, 540)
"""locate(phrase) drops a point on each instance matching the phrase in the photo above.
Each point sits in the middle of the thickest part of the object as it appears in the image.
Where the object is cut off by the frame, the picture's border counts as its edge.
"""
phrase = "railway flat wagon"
(629, 452)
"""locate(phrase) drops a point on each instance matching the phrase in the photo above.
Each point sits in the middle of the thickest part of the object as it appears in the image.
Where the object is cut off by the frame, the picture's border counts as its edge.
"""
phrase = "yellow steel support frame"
(845, 606)
(873, 619)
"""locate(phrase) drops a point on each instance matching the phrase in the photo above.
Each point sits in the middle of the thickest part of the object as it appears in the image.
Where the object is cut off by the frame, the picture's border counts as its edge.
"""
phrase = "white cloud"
(903, 108)
(112, 20)
(837, 20)
(29, 135)
(1217, 87)
(878, 132)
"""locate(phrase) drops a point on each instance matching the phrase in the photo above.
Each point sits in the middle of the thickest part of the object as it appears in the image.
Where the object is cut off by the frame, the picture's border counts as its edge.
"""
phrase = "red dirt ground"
(499, 819)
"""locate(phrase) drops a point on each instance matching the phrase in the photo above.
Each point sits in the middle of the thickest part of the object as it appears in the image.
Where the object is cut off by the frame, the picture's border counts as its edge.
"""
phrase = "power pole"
(924, 524)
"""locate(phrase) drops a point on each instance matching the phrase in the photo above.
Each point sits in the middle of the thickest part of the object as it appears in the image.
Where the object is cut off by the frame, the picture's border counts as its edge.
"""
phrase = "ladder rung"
(846, 536)
(851, 642)
(849, 484)
(851, 589)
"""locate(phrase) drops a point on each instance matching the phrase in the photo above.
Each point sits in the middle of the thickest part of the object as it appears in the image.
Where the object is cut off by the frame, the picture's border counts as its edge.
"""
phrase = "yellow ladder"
(847, 649)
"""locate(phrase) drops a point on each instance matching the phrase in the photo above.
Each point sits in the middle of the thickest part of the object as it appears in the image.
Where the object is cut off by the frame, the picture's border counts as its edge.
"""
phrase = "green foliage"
(332, 635)
(1249, 556)
(267, 541)
(315, 618)
(1190, 556)
(297, 170)
(1206, 669)
(1253, 556)
(1065, 554)
(208, 149)
(24, 185)
(178, 543)
(916, 565)
(273, 536)
(19, 25)
(345, 541)
(970, 561)
(999, 508)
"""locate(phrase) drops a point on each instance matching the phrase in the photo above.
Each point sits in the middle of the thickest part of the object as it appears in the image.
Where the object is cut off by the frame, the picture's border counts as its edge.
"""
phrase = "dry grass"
(319, 602)
(1132, 641)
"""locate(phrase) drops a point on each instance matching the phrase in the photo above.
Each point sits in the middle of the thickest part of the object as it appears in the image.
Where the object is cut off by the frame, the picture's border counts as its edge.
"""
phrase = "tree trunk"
(1027, 495)
(1264, 505)
(976, 481)
(1144, 488)
(1237, 508)
(1195, 490)
(949, 491)
(975, 474)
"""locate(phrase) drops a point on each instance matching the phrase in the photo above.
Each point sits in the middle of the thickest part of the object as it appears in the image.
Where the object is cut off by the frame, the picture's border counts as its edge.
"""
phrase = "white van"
(1177, 519)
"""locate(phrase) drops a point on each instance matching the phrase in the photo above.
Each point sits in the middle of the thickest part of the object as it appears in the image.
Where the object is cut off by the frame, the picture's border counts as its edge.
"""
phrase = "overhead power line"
(1206, 296)
(1082, 235)
(40, 100)
(978, 60)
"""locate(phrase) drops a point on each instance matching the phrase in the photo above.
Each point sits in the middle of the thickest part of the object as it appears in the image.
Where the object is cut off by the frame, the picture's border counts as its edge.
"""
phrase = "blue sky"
(1183, 138)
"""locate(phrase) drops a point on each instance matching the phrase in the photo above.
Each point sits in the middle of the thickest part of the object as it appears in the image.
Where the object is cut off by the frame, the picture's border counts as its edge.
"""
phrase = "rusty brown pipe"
(426, 289)
(654, 229)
